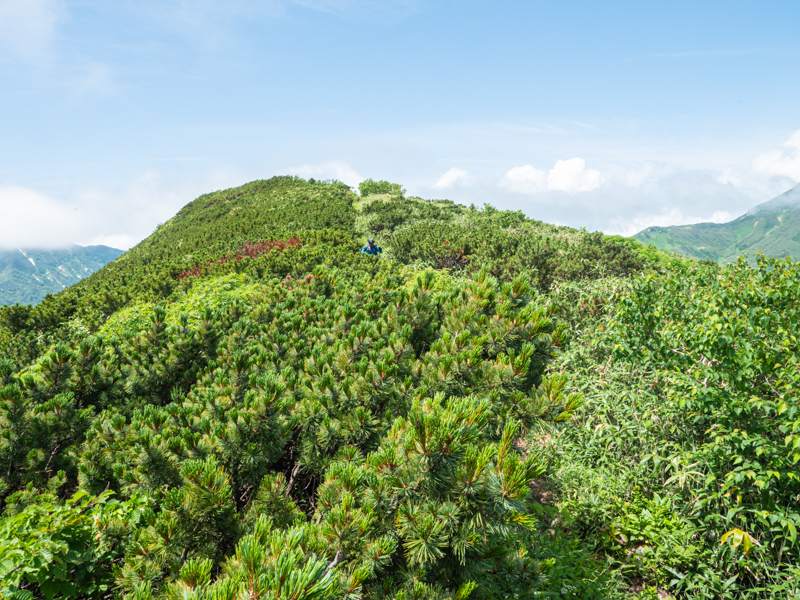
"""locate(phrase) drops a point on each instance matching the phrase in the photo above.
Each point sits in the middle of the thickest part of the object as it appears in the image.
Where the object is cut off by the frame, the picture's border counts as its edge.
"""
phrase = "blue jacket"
(373, 250)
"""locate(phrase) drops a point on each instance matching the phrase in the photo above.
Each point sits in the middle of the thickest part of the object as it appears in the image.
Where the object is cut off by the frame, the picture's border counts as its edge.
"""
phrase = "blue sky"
(610, 116)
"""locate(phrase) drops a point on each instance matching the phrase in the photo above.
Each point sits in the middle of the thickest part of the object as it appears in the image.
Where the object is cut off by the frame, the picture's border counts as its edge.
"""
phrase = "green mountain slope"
(245, 406)
(245, 381)
(332, 221)
(27, 276)
(772, 229)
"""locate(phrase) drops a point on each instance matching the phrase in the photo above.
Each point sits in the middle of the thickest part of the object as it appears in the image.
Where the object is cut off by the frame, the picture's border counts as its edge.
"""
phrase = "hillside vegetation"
(245, 406)
(770, 229)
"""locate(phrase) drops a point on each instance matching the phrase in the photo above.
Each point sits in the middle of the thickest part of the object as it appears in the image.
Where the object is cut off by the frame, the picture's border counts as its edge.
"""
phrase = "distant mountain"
(771, 228)
(27, 276)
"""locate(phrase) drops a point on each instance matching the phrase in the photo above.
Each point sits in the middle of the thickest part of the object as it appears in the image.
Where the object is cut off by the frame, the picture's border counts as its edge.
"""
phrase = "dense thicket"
(445, 235)
(243, 402)
(683, 466)
(245, 406)
(363, 417)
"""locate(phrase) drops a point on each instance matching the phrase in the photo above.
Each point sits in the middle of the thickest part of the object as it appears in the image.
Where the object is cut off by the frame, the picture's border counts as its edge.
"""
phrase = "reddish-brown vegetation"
(249, 250)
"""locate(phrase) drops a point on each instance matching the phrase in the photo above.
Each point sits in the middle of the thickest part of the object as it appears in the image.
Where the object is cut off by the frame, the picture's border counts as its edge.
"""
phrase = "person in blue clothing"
(371, 248)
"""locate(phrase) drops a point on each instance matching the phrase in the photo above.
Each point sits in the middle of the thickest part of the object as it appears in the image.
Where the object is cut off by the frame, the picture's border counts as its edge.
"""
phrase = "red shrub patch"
(249, 250)
(253, 249)
(195, 271)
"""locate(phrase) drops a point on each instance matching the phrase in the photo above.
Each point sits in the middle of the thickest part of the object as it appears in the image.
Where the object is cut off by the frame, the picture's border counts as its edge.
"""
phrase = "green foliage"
(370, 411)
(244, 406)
(67, 549)
(685, 464)
(506, 245)
(208, 228)
(372, 186)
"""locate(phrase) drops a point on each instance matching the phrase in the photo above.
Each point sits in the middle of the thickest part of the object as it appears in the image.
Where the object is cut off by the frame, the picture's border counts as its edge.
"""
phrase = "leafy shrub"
(371, 186)
(698, 370)
(64, 550)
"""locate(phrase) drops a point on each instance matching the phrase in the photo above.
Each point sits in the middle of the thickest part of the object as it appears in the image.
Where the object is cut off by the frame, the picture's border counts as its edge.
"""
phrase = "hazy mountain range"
(771, 228)
(27, 276)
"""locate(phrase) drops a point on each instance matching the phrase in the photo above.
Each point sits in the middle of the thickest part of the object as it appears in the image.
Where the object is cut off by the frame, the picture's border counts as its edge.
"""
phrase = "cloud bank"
(784, 162)
(570, 175)
(334, 169)
(34, 220)
(616, 197)
(118, 216)
(450, 179)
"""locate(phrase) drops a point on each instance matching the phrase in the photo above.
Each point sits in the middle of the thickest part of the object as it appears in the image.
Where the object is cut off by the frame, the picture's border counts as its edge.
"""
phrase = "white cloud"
(667, 218)
(121, 216)
(673, 216)
(573, 176)
(335, 169)
(784, 162)
(721, 216)
(524, 179)
(123, 241)
(450, 178)
(118, 216)
(729, 177)
(28, 32)
(638, 175)
(570, 175)
(27, 26)
(34, 220)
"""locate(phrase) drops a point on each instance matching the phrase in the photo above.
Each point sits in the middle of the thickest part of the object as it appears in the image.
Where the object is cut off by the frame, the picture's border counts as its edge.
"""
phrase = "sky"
(611, 116)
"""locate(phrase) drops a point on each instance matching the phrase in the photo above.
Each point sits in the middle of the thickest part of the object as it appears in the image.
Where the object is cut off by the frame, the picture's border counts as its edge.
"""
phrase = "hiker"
(371, 248)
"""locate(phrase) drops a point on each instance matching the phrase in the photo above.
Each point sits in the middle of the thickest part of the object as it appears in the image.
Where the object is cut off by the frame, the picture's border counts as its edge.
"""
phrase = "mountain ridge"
(771, 228)
(27, 275)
